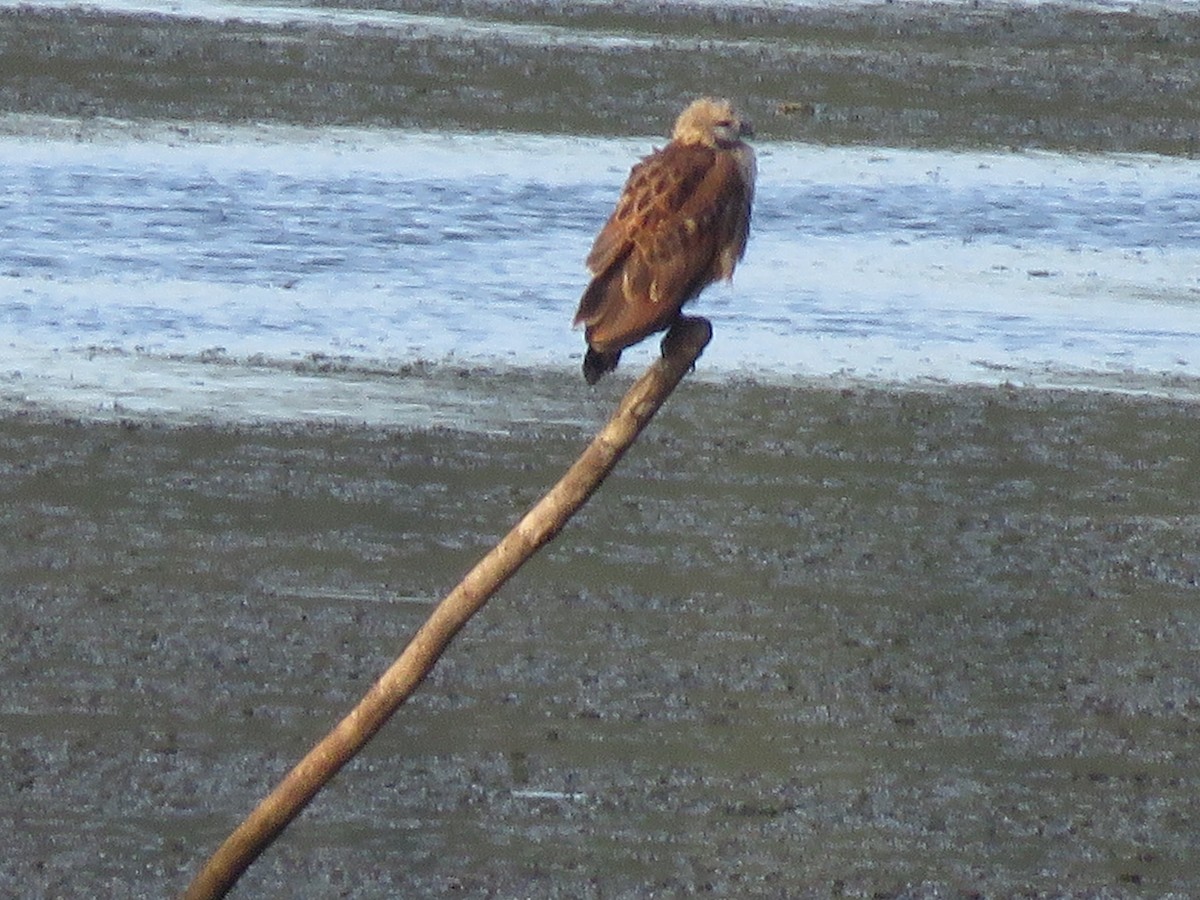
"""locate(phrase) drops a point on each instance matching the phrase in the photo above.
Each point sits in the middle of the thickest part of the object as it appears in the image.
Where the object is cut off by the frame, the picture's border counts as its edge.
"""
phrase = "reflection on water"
(393, 248)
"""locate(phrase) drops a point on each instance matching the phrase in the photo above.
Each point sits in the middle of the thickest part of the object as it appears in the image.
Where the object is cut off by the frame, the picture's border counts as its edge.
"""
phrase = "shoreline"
(471, 397)
(993, 76)
(732, 669)
(816, 635)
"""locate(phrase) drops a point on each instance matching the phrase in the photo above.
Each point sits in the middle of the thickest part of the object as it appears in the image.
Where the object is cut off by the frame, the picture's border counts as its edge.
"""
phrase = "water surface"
(136, 269)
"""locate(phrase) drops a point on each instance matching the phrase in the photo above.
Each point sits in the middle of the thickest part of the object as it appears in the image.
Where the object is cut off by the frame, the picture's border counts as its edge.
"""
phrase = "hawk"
(680, 224)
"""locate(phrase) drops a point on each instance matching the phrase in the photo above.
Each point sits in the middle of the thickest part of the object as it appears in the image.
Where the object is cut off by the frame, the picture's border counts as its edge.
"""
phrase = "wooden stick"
(685, 342)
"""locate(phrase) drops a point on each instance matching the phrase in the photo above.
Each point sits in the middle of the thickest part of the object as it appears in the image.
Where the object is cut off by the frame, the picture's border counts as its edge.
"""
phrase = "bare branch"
(683, 345)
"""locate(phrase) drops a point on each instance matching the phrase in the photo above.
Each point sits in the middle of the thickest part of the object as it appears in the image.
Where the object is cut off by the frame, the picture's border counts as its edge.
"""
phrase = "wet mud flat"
(1067, 77)
(805, 642)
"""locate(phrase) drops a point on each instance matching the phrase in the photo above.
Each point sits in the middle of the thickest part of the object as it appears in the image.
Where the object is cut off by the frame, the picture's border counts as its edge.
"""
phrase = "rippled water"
(124, 260)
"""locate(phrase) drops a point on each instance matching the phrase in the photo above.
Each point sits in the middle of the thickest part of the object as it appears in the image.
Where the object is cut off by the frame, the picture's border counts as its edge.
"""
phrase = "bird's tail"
(595, 364)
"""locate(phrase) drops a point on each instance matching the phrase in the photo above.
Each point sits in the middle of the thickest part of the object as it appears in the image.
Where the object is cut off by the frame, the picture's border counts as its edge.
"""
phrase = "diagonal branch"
(681, 348)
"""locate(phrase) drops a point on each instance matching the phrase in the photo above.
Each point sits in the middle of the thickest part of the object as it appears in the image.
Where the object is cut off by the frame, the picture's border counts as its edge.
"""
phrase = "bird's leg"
(684, 331)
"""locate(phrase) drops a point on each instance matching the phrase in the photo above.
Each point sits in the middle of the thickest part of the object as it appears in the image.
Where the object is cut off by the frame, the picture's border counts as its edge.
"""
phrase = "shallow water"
(135, 270)
(871, 610)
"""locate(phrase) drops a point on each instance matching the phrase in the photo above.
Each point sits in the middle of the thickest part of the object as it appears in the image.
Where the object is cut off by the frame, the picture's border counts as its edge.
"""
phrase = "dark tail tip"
(595, 364)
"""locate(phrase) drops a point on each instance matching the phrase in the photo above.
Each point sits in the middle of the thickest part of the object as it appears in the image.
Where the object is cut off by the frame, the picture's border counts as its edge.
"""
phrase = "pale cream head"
(710, 122)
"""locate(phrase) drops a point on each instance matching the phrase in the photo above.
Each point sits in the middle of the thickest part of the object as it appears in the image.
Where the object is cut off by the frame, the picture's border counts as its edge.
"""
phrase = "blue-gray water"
(130, 265)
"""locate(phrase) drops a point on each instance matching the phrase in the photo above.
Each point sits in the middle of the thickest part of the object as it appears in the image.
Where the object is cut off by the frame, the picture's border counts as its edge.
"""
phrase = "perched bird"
(680, 224)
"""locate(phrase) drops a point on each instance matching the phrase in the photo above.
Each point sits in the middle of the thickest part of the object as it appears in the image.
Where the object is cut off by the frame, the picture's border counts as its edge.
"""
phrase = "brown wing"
(657, 188)
(681, 223)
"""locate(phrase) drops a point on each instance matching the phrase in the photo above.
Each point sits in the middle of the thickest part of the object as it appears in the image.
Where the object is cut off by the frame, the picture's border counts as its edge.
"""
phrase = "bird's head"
(711, 122)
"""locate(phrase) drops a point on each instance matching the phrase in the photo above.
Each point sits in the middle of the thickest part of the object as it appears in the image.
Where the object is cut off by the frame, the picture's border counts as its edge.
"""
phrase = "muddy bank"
(928, 75)
(804, 642)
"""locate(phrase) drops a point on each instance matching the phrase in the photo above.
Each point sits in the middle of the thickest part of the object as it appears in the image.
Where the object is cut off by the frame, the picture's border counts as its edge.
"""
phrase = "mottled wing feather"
(680, 223)
(702, 241)
(657, 189)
